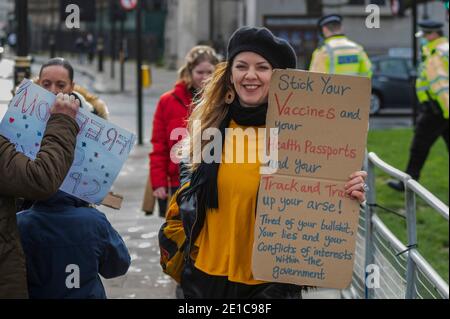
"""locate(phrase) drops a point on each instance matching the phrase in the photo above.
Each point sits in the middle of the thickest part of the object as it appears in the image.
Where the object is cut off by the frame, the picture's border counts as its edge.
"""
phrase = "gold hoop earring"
(229, 97)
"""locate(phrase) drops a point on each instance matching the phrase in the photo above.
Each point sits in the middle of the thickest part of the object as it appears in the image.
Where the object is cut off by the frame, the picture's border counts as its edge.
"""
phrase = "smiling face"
(200, 73)
(55, 78)
(250, 76)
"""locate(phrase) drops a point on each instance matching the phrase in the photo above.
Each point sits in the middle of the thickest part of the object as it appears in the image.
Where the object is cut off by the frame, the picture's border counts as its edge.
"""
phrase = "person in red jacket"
(172, 111)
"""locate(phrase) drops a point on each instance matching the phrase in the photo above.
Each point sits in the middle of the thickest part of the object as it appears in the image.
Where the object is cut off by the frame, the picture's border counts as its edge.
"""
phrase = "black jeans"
(198, 285)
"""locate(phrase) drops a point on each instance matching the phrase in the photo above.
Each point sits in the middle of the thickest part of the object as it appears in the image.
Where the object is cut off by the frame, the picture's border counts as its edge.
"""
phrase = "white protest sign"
(306, 225)
(101, 150)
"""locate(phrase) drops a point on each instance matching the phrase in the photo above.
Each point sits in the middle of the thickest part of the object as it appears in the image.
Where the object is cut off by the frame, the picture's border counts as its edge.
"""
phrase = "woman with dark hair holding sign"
(68, 243)
(217, 201)
(57, 76)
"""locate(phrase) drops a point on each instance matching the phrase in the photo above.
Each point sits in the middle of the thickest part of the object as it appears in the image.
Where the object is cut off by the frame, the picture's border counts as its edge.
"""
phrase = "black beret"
(329, 19)
(278, 52)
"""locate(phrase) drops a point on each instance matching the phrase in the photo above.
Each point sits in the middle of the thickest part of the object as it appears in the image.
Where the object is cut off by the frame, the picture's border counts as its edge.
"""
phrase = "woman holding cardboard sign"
(65, 233)
(57, 76)
(217, 200)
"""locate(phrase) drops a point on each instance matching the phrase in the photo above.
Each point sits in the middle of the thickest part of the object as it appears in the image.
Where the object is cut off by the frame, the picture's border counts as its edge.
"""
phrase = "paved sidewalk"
(144, 279)
(6, 83)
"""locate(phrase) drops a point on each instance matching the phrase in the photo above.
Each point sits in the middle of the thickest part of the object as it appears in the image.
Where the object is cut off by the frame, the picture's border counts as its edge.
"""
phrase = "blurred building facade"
(98, 18)
(6, 7)
(172, 27)
(190, 22)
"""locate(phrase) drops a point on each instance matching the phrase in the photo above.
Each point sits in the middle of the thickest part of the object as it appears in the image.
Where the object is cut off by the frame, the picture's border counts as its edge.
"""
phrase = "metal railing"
(404, 273)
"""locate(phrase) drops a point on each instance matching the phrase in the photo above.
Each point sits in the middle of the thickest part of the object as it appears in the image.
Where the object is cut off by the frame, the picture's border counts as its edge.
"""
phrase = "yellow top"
(226, 239)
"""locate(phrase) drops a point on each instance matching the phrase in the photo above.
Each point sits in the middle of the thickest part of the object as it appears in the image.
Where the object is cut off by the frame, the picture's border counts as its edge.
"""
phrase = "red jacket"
(172, 112)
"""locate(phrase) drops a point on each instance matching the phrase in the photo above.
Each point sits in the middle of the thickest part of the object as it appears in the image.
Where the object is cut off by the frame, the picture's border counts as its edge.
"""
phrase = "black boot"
(147, 213)
(397, 185)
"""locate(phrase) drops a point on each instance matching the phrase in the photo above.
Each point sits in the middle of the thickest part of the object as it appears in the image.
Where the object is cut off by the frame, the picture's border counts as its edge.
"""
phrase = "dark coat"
(63, 231)
(38, 179)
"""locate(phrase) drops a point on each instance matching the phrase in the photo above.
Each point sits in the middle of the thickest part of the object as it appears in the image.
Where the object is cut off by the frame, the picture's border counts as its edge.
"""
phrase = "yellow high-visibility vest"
(432, 80)
(339, 55)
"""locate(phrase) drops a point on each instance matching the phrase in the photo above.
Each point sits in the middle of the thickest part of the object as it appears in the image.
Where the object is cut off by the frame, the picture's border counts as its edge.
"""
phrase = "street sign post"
(139, 72)
(22, 68)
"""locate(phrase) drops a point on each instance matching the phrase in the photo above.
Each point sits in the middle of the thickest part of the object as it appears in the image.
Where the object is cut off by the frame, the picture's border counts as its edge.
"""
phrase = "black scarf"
(248, 116)
(204, 179)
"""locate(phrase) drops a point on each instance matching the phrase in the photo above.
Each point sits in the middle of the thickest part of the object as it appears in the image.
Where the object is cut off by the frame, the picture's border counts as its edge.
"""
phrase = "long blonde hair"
(197, 55)
(211, 109)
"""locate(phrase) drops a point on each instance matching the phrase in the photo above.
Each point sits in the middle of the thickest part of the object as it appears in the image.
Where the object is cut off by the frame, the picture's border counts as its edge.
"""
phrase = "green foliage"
(392, 146)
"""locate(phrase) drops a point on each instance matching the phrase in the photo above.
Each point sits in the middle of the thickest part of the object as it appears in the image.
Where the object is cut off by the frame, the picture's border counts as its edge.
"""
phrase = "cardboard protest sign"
(101, 150)
(306, 225)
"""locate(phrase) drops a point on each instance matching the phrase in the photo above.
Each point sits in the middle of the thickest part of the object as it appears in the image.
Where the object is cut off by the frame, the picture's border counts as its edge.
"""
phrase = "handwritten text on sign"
(322, 121)
(304, 231)
(306, 225)
(101, 150)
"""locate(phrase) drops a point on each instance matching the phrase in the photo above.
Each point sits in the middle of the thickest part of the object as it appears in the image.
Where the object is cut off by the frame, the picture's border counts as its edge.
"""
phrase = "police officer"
(339, 55)
(433, 96)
